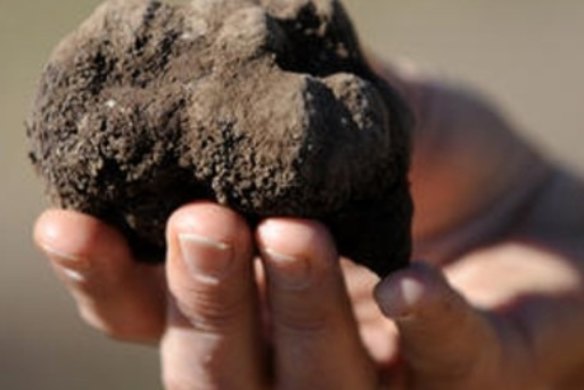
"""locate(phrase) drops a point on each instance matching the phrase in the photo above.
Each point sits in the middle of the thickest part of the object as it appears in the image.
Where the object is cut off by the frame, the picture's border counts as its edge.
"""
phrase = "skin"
(496, 303)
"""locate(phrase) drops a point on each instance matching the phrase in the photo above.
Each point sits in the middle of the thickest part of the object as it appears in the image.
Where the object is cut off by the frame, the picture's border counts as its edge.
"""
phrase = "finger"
(443, 339)
(213, 335)
(114, 294)
(378, 334)
(316, 340)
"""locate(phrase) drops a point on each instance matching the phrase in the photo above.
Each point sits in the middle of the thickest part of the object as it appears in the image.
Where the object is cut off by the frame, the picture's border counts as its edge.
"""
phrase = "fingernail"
(206, 258)
(72, 266)
(289, 272)
(398, 297)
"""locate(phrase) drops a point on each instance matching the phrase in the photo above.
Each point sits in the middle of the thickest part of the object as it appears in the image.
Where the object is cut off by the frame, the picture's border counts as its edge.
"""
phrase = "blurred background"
(522, 53)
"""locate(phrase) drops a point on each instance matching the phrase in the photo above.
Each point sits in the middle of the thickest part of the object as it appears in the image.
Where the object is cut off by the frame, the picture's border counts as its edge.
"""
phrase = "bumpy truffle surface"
(266, 106)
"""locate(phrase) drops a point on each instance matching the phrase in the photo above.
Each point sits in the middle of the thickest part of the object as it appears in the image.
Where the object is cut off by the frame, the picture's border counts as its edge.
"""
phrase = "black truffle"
(266, 106)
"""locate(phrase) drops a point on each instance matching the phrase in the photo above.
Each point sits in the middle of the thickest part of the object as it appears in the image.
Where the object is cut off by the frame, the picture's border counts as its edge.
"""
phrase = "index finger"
(114, 294)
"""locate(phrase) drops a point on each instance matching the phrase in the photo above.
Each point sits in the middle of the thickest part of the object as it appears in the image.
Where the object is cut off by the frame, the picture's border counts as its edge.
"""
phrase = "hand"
(436, 338)
(213, 336)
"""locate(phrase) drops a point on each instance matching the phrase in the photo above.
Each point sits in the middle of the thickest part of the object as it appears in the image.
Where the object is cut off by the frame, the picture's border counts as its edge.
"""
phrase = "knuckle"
(300, 321)
(204, 370)
(211, 310)
(98, 322)
(116, 331)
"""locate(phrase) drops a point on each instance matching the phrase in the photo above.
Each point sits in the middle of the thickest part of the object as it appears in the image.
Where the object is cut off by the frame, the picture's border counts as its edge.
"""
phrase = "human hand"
(212, 326)
(213, 330)
(128, 300)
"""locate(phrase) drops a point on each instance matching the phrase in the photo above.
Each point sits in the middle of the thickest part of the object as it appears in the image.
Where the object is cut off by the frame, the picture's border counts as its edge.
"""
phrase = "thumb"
(443, 339)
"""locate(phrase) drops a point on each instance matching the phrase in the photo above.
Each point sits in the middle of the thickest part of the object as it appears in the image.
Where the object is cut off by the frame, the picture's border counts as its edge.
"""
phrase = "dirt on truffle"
(265, 106)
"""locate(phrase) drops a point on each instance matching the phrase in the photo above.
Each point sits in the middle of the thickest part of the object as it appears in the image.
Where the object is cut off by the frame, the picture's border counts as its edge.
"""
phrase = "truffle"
(267, 106)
